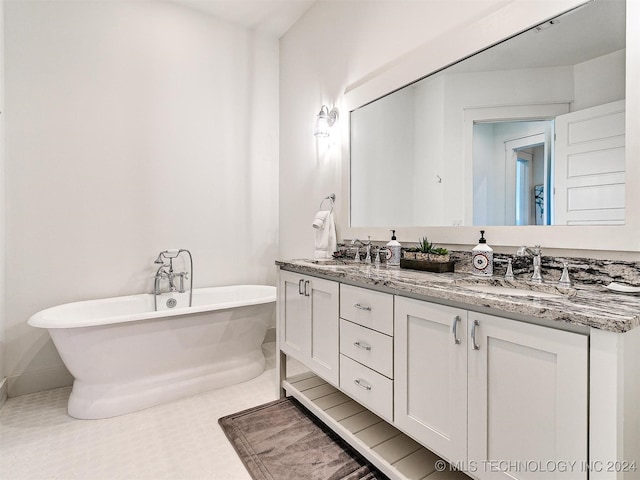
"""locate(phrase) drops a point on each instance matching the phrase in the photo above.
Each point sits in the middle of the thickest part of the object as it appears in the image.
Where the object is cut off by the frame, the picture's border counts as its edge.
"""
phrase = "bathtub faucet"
(165, 271)
(170, 275)
(161, 273)
(182, 276)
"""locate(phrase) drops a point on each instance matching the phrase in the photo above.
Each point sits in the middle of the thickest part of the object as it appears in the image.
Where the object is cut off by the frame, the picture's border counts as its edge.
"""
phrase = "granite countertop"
(585, 305)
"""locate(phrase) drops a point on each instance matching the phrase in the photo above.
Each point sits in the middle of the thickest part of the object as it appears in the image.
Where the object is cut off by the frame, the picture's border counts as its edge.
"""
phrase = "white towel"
(326, 240)
(321, 217)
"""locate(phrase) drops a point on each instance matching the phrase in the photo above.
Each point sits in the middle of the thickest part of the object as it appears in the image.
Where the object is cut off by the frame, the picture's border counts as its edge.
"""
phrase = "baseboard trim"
(39, 381)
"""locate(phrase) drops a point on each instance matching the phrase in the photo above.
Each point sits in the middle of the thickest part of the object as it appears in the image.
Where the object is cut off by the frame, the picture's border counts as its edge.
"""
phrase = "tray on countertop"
(427, 265)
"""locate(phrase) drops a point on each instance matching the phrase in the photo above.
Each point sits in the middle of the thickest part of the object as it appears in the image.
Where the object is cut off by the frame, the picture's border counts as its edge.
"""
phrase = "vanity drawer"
(367, 308)
(372, 349)
(371, 389)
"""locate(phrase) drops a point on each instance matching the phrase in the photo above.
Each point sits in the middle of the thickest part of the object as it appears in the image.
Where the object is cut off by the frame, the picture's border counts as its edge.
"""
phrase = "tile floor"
(178, 440)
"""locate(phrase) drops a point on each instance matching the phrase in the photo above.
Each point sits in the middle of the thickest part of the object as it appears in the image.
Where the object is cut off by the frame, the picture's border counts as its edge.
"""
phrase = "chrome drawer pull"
(473, 335)
(362, 384)
(454, 331)
(362, 307)
(363, 346)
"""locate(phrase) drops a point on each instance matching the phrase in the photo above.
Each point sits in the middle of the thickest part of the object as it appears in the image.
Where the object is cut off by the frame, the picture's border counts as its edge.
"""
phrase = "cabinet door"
(293, 316)
(430, 372)
(527, 400)
(308, 322)
(323, 303)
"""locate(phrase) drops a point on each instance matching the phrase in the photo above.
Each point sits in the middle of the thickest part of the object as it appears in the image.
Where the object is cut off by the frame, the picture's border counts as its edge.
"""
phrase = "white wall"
(132, 127)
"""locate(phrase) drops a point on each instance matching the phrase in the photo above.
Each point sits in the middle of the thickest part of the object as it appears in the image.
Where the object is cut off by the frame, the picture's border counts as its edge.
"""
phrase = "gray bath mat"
(281, 440)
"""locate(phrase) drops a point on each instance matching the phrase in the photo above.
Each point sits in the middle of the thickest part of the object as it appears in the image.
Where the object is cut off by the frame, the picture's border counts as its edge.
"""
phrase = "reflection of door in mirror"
(530, 155)
(590, 166)
(524, 162)
(509, 159)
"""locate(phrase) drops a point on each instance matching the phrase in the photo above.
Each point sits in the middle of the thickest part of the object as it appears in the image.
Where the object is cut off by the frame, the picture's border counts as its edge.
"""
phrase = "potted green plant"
(424, 247)
(428, 251)
(427, 257)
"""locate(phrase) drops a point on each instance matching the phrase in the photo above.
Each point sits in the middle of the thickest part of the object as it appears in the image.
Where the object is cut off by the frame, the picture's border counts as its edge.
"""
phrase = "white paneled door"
(589, 168)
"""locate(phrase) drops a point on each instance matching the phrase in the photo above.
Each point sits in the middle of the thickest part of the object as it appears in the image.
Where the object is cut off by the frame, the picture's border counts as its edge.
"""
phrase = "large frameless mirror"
(528, 132)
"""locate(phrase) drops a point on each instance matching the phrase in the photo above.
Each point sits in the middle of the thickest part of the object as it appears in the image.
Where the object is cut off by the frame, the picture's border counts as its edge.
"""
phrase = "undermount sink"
(331, 262)
(516, 288)
(514, 292)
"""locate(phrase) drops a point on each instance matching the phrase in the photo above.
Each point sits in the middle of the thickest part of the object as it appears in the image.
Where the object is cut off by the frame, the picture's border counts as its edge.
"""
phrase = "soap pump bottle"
(396, 251)
(482, 258)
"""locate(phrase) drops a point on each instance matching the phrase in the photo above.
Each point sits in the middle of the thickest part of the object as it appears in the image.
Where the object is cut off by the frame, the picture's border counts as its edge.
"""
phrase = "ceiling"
(271, 16)
(582, 34)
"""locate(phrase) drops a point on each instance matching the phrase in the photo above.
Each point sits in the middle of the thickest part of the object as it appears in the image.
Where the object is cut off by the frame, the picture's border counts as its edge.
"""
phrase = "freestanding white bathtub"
(125, 356)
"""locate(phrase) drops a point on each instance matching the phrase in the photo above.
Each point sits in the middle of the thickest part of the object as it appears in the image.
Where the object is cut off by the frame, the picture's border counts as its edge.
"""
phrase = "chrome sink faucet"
(536, 253)
(368, 245)
(357, 244)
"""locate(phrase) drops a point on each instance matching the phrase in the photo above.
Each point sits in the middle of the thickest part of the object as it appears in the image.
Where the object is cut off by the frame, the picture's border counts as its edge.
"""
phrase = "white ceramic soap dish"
(622, 288)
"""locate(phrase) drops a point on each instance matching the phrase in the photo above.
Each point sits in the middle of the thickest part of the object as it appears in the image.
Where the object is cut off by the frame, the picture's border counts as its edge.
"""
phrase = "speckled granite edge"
(591, 306)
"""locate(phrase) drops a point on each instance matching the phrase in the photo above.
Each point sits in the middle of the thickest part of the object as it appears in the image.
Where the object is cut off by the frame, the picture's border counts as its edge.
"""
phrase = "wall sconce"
(324, 121)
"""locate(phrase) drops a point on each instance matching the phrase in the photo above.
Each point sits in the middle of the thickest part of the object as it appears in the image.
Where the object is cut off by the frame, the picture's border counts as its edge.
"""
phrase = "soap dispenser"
(396, 251)
(482, 258)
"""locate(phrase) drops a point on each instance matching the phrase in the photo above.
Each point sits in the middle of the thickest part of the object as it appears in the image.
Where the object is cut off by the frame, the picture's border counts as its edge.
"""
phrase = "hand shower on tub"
(166, 271)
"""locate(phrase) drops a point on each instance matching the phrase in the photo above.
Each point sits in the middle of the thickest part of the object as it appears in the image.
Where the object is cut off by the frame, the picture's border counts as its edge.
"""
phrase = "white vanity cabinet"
(499, 398)
(482, 390)
(308, 322)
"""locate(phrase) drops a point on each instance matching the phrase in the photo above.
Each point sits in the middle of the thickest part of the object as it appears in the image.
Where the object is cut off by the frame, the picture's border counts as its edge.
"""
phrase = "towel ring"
(331, 198)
